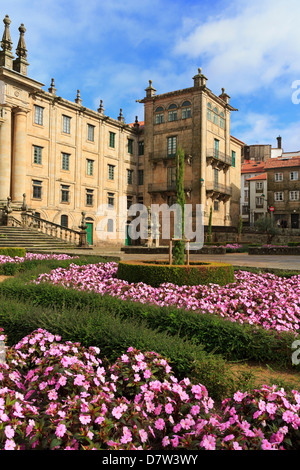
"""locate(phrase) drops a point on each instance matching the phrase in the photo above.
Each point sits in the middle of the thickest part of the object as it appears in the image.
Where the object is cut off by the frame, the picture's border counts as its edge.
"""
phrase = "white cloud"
(248, 46)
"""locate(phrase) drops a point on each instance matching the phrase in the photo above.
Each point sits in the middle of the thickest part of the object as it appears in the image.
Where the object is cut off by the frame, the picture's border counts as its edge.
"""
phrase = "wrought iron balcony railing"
(218, 155)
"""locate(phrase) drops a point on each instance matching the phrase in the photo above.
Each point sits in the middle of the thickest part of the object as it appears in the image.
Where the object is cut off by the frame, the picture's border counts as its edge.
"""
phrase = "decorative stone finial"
(78, 100)
(150, 91)
(6, 42)
(121, 117)
(20, 64)
(101, 108)
(6, 56)
(199, 79)
(52, 88)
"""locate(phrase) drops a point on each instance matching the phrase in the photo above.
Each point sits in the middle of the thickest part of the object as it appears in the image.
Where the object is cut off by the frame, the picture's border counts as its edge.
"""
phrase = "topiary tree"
(178, 250)
(209, 231)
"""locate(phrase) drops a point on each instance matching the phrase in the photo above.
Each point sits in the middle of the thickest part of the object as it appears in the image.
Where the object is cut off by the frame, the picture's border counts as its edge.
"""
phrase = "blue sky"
(109, 49)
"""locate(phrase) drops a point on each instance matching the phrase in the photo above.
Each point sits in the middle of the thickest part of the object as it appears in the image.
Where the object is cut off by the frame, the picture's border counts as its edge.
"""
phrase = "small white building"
(258, 205)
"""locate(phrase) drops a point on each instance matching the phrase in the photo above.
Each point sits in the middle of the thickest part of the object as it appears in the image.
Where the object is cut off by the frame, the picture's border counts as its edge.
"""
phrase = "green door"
(127, 236)
(89, 230)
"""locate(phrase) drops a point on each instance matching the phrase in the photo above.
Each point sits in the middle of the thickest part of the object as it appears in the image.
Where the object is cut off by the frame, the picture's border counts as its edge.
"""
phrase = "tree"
(209, 231)
(266, 224)
(179, 245)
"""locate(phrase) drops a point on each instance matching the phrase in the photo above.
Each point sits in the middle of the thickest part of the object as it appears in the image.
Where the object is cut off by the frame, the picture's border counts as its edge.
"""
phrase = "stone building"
(198, 121)
(284, 189)
(59, 158)
(250, 169)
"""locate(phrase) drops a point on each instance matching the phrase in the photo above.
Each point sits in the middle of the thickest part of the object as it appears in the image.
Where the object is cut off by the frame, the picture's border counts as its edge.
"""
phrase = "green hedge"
(12, 251)
(113, 335)
(157, 273)
(232, 340)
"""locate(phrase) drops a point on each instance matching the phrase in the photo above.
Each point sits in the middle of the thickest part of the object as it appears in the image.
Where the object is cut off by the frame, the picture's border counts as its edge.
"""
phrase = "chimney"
(279, 142)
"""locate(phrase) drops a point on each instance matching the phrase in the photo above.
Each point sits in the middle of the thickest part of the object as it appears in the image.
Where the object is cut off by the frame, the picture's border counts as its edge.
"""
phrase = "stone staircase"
(30, 239)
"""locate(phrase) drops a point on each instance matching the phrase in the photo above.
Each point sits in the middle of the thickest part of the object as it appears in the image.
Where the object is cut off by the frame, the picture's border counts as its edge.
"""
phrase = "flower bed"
(265, 300)
(274, 250)
(58, 396)
(33, 256)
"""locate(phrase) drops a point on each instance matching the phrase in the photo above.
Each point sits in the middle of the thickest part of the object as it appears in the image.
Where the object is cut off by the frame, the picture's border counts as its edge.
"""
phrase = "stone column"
(5, 153)
(19, 155)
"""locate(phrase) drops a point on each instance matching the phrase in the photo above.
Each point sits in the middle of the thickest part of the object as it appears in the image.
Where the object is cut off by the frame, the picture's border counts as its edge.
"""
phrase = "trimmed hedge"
(114, 335)
(232, 340)
(156, 273)
(12, 251)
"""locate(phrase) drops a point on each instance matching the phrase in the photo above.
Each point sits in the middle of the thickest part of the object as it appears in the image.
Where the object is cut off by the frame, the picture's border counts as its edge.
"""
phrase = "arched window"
(186, 110)
(209, 111)
(222, 120)
(159, 115)
(64, 220)
(172, 112)
(215, 116)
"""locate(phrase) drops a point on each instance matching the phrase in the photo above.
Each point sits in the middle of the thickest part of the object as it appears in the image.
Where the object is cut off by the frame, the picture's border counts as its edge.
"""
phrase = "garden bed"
(274, 250)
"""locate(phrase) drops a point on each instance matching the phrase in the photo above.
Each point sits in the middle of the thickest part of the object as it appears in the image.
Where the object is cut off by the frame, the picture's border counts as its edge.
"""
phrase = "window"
(186, 110)
(209, 111)
(215, 116)
(140, 177)
(159, 115)
(222, 120)
(246, 195)
(129, 202)
(278, 176)
(172, 146)
(89, 197)
(172, 113)
(111, 200)
(91, 133)
(64, 220)
(37, 155)
(65, 161)
(38, 115)
(90, 167)
(294, 195)
(66, 124)
(112, 138)
(65, 193)
(130, 146)
(37, 189)
(259, 185)
(129, 176)
(216, 205)
(259, 202)
(294, 175)
(141, 148)
(111, 172)
(216, 148)
(279, 196)
(233, 155)
(216, 177)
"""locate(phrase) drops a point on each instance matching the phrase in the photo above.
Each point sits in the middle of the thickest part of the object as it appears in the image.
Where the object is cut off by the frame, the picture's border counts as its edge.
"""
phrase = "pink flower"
(60, 430)
(159, 424)
(169, 408)
(143, 435)
(9, 432)
(9, 444)
(85, 419)
(209, 442)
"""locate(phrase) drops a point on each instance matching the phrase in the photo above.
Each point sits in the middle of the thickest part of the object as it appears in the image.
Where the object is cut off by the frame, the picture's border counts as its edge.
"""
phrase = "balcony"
(170, 188)
(218, 159)
(218, 191)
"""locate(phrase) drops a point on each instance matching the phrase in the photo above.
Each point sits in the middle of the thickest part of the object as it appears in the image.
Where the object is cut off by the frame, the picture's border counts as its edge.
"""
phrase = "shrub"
(12, 251)
(157, 273)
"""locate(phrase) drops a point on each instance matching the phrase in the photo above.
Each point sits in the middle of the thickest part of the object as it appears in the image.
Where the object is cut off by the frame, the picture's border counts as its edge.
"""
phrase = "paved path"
(236, 259)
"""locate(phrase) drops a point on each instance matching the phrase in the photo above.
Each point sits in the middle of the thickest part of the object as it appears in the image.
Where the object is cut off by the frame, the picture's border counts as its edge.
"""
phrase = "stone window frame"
(66, 124)
(65, 193)
(279, 196)
(159, 115)
(170, 146)
(295, 193)
(38, 115)
(90, 133)
(278, 176)
(65, 161)
(129, 176)
(294, 173)
(172, 112)
(37, 189)
(112, 139)
(111, 171)
(186, 109)
(37, 156)
(89, 197)
(90, 167)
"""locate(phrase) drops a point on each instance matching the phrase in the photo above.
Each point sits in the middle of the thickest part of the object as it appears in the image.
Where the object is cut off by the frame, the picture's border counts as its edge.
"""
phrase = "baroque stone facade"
(67, 159)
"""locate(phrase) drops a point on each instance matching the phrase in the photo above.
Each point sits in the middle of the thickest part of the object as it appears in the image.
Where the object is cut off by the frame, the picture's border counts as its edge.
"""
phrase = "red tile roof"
(282, 162)
(251, 166)
(263, 176)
